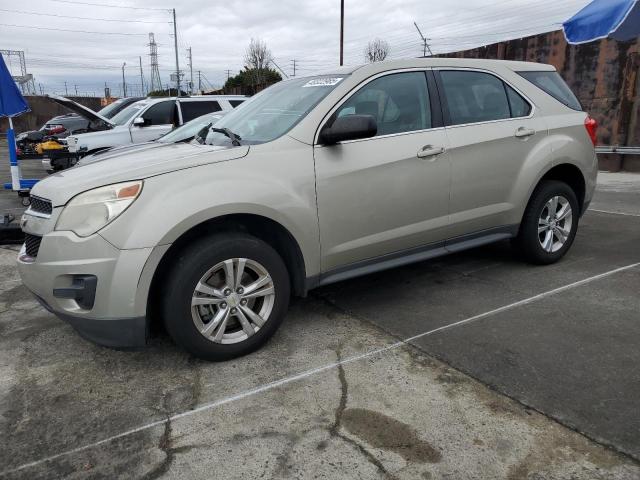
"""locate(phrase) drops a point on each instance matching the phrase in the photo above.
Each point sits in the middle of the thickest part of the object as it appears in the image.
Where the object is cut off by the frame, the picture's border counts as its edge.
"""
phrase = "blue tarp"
(11, 100)
(617, 19)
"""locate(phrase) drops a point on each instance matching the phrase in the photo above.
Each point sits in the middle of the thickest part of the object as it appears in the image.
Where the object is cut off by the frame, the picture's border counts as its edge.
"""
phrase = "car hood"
(117, 151)
(81, 110)
(136, 165)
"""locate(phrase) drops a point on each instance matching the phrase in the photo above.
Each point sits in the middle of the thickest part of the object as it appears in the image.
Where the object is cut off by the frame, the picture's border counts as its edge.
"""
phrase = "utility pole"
(425, 45)
(66, 92)
(228, 73)
(41, 89)
(175, 45)
(76, 87)
(190, 71)
(341, 32)
(294, 67)
(124, 85)
(141, 78)
(199, 83)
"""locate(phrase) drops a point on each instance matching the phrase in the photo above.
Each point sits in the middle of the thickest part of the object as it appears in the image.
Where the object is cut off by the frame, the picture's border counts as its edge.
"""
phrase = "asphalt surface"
(471, 366)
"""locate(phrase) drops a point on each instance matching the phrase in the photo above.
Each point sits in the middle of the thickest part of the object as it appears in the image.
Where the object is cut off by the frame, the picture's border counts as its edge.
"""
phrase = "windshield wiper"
(235, 139)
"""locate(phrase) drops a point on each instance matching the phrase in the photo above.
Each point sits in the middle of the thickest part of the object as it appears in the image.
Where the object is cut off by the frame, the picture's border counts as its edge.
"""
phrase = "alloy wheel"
(554, 223)
(232, 300)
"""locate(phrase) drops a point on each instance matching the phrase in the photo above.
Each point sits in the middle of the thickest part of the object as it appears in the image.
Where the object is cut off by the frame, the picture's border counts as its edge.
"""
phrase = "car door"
(159, 119)
(492, 130)
(389, 193)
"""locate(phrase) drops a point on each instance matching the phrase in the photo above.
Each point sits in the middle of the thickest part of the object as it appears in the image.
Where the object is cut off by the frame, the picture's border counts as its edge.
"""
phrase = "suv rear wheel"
(225, 296)
(549, 223)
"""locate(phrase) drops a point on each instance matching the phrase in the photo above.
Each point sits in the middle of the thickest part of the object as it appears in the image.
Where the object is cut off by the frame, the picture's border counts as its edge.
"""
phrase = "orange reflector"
(130, 191)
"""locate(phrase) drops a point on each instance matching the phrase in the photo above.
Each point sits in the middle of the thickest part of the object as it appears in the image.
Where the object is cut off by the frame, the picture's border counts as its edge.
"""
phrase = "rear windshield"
(552, 83)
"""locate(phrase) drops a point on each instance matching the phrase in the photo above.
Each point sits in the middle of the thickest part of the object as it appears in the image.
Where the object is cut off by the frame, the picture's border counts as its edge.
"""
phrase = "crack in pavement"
(334, 430)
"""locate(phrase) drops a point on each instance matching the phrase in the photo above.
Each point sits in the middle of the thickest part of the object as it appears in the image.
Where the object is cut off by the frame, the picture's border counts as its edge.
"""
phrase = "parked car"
(149, 119)
(313, 181)
(61, 126)
(184, 133)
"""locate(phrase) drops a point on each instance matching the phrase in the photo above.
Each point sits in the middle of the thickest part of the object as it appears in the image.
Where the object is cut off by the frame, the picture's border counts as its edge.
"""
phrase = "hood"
(136, 165)
(81, 110)
(117, 151)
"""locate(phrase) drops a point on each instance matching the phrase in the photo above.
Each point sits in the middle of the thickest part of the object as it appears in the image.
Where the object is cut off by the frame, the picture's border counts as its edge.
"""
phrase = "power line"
(111, 6)
(72, 31)
(79, 18)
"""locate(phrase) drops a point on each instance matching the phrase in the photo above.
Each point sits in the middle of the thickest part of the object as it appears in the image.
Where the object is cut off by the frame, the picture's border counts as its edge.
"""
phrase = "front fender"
(280, 188)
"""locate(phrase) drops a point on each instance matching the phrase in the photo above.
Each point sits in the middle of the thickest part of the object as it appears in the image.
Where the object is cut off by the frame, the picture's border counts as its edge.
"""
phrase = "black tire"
(528, 240)
(191, 264)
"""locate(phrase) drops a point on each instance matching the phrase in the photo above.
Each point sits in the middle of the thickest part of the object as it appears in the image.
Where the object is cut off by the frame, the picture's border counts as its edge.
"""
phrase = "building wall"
(603, 74)
(43, 109)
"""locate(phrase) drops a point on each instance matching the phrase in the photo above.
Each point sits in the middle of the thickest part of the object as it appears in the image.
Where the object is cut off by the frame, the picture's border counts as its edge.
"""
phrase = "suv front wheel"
(225, 296)
(549, 223)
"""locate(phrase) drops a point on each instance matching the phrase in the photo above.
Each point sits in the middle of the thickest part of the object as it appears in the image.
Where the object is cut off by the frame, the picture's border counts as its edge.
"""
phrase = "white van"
(147, 120)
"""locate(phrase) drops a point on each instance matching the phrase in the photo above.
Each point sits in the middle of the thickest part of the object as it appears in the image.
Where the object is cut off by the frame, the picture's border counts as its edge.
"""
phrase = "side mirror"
(139, 122)
(349, 127)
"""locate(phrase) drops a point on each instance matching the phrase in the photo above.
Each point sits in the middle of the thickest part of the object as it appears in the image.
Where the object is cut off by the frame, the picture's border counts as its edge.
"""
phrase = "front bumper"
(90, 284)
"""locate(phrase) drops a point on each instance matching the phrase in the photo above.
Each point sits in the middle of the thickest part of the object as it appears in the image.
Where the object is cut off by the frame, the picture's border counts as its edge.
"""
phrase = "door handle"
(429, 151)
(523, 132)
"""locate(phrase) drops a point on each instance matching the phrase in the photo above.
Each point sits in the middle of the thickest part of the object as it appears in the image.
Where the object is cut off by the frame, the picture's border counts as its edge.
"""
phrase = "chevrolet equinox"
(312, 181)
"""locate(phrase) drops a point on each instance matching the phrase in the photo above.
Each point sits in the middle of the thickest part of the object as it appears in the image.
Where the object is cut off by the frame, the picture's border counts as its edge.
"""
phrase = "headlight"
(90, 211)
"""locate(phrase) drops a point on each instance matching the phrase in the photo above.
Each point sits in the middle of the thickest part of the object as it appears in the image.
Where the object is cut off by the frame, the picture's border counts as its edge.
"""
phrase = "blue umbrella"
(11, 103)
(617, 19)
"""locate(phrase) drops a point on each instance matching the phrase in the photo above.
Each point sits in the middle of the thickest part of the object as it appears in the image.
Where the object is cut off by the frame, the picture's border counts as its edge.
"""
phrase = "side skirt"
(418, 254)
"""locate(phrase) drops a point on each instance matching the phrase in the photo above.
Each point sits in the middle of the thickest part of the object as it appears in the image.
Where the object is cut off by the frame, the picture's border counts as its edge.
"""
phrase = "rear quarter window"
(553, 84)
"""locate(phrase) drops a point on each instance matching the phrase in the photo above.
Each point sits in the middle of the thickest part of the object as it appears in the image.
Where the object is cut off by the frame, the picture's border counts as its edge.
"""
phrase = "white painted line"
(614, 213)
(315, 371)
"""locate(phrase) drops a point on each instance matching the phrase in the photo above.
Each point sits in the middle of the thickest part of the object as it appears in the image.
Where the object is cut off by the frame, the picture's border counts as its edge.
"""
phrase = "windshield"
(111, 109)
(189, 129)
(274, 111)
(128, 113)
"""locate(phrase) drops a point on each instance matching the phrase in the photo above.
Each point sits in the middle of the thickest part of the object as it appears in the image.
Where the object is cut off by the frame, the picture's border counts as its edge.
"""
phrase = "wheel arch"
(572, 176)
(264, 228)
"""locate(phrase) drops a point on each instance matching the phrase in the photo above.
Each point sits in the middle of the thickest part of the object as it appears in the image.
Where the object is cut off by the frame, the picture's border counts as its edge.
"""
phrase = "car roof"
(377, 67)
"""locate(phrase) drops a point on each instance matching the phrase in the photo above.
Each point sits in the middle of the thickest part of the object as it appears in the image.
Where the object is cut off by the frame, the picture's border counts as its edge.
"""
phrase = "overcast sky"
(219, 31)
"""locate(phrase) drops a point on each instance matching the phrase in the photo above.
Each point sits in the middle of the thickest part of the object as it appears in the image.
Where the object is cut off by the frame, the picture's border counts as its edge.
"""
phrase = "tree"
(376, 51)
(245, 79)
(257, 58)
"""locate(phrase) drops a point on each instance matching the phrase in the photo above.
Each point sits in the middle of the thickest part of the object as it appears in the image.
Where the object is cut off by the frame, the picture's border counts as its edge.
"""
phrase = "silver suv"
(314, 180)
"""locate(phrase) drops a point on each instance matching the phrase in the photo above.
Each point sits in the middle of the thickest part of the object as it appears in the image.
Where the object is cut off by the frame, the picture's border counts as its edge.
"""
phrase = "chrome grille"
(32, 244)
(41, 205)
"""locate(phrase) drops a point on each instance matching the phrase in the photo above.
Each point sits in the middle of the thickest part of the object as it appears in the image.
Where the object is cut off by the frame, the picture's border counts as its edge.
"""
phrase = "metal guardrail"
(619, 150)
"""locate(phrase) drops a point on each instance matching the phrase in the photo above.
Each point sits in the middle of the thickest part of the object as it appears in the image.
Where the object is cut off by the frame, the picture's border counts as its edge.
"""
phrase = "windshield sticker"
(323, 82)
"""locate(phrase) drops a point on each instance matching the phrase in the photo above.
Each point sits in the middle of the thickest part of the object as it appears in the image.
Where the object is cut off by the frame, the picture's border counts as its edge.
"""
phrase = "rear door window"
(553, 84)
(191, 110)
(518, 105)
(473, 97)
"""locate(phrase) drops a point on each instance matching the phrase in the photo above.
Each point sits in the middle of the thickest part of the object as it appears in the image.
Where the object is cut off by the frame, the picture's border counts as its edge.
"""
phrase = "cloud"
(218, 33)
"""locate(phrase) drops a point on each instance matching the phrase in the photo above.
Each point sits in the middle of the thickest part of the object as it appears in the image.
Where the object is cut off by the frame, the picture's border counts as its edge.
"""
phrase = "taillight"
(592, 128)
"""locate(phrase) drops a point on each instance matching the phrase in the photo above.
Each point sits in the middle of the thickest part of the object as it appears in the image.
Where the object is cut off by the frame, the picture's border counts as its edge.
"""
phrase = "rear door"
(159, 119)
(390, 193)
(491, 130)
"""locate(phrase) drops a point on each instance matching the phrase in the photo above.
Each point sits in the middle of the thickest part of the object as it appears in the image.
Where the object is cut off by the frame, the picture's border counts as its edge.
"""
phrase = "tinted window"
(519, 106)
(235, 103)
(160, 114)
(552, 83)
(191, 110)
(474, 97)
(399, 103)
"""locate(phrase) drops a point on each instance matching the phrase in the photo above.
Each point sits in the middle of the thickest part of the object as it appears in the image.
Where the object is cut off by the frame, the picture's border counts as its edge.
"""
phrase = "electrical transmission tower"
(25, 80)
(155, 83)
